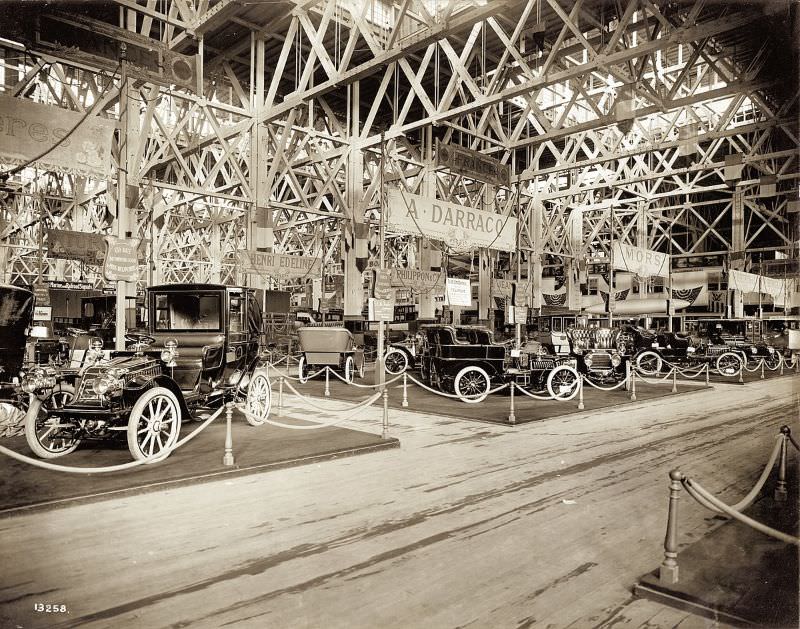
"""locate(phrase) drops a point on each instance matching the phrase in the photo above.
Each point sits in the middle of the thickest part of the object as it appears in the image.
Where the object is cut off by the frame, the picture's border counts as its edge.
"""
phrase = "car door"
(254, 328)
(237, 331)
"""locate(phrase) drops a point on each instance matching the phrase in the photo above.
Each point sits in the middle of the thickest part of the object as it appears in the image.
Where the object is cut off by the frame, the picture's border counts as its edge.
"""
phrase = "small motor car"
(402, 355)
(689, 351)
(200, 349)
(556, 374)
(329, 346)
(596, 352)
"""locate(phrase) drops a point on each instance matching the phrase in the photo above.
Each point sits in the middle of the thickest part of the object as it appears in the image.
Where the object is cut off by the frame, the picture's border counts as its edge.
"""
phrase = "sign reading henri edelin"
(121, 263)
(459, 226)
(472, 164)
(279, 264)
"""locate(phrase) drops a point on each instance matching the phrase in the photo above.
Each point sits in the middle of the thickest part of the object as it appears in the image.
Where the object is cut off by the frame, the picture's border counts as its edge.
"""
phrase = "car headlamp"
(95, 351)
(106, 384)
(170, 352)
(616, 360)
(38, 379)
(690, 350)
(770, 349)
(587, 361)
(754, 350)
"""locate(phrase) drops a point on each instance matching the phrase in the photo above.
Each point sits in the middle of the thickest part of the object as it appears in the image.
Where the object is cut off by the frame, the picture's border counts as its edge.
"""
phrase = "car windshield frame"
(170, 295)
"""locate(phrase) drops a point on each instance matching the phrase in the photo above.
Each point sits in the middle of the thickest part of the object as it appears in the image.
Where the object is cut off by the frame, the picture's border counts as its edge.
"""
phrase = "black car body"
(596, 352)
(200, 348)
(687, 350)
(16, 313)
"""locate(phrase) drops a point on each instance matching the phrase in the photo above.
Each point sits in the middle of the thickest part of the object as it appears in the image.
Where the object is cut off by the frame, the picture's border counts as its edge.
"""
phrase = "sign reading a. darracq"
(458, 226)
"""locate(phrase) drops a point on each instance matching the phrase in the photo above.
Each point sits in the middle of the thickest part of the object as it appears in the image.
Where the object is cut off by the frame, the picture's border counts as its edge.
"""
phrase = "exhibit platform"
(735, 574)
(496, 407)
(255, 449)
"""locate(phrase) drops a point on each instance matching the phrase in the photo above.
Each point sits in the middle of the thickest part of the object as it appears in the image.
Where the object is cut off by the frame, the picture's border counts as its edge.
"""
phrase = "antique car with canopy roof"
(329, 345)
(200, 348)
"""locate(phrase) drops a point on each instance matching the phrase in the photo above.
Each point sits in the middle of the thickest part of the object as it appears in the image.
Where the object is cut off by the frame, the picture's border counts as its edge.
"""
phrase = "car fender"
(132, 393)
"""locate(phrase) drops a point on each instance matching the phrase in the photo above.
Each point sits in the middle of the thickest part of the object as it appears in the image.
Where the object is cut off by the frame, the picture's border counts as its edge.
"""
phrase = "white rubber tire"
(349, 369)
(648, 356)
(555, 384)
(395, 362)
(155, 407)
(37, 406)
(467, 383)
(301, 369)
(259, 399)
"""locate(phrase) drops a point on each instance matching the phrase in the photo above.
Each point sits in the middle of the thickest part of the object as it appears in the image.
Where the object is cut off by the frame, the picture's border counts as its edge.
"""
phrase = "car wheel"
(42, 432)
(395, 362)
(472, 384)
(302, 376)
(259, 399)
(649, 363)
(154, 423)
(349, 368)
(729, 364)
(563, 383)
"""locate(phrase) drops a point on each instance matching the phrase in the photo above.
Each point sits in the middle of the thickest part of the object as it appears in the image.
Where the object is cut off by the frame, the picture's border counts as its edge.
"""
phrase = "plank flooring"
(466, 525)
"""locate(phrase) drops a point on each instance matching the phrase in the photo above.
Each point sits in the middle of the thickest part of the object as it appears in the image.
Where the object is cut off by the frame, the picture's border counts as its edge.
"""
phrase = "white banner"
(278, 265)
(28, 129)
(458, 226)
(459, 292)
(643, 262)
(423, 281)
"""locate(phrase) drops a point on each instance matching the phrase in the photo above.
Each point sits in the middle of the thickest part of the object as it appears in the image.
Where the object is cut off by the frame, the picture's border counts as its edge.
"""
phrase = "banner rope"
(111, 468)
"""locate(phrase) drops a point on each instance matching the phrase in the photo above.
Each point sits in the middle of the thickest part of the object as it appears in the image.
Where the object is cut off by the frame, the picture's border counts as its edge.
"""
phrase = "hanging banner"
(73, 245)
(458, 292)
(28, 129)
(382, 284)
(279, 265)
(643, 262)
(746, 282)
(121, 260)
(422, 281)
(472, 164)
(458, 226)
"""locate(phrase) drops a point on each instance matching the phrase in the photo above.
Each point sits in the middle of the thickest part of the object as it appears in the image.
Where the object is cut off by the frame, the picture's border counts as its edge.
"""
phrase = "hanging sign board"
(382, 284)
(73, 245)
(121, 261)
(278, 265)
(460, 227)
(27, 129)
(63, 285)
(380, 309)
(41, 294)
(472, 164)
(458, 292)
(42, 313)
(643, 262)
(422, 281)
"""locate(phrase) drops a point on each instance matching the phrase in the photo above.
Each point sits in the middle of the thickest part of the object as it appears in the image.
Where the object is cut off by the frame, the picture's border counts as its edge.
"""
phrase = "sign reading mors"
(279, 264)
(643, 262)
(459, 226)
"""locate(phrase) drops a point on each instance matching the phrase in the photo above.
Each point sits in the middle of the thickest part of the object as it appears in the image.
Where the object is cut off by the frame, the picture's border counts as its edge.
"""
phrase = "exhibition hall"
(399, 313)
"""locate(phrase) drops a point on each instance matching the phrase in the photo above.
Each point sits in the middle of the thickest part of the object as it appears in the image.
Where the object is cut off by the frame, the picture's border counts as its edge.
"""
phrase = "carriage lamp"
(170, 352)
(616, 360)
(770, 349)
(753, 350)
(37, 379)
(110, 382)
(95, 351)
(587, 361)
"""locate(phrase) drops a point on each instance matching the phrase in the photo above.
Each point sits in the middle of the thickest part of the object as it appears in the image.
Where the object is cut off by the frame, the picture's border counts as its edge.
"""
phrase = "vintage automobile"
(402, 355)
(200, 349)
(689, 351)
(329, 346)
(634, 339)
(467, 361)
(16, 312)
(597, 354)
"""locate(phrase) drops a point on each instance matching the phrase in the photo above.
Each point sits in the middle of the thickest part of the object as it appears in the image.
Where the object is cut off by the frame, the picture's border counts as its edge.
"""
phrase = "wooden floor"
(467, 525)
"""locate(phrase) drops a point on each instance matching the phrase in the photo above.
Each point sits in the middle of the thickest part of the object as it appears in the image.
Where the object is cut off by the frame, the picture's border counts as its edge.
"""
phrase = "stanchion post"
(512, 418)
(781, 361)
(741, 372)
(762, 368)
(627, 375)
(580, 394)
(385, 427)
(327, 382)
(405, 389)
(708, 381)
(227, 459)
(780, 490)
(668, 570)
(280, 393)
(674, 379)
(633, 385)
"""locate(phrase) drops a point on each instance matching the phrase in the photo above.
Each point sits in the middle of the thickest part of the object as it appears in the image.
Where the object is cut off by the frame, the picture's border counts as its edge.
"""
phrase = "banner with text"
(279, 265)
(28, 129)
(421, 281)
(458, 292)
(460, 227)
(643, 262)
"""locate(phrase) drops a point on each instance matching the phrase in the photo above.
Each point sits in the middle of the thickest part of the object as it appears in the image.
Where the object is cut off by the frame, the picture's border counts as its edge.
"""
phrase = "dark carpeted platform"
(255, 449)
(736, 574)
(496, 407)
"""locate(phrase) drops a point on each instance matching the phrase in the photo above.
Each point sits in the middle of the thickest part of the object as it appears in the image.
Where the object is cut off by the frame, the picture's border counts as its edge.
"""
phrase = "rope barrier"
(364, 386)
(356, 409)
(310, 402)
(614, 388)
(694, 489)
(297, 379)
(454, 396)
(533, 395)
(793, 442)
(754, 369)
(637, 374)
(112, 468)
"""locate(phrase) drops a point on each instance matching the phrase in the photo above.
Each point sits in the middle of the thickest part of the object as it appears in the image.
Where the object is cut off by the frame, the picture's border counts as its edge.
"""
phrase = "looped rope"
(310, 402)
(363, 386)
(614, 388)
(297, 379)
(355, 409)
(652, 380)
(777, 366)
(533, 395)
(707, 499)
(112, 468)
(756, 368)
(685, 373)
(452, 395)
(793, 442)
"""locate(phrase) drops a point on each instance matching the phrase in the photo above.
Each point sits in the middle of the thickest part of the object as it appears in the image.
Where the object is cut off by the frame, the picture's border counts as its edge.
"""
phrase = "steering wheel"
(139, 339)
